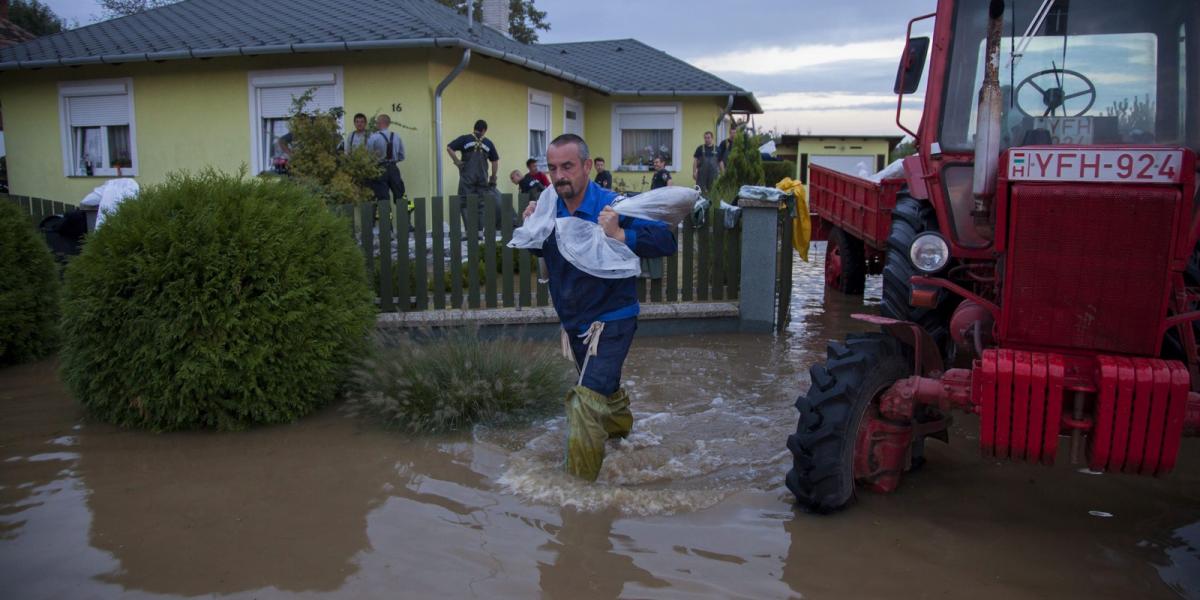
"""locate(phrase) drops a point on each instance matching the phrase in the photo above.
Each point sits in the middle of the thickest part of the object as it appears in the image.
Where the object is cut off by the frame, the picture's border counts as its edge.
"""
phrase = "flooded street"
(691, 505)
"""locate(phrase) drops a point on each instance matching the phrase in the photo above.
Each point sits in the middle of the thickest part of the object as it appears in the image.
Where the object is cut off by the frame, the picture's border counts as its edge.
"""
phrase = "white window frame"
(577, 106)
(544, 99)
(648, 108)
(308, 77)
(95, 87)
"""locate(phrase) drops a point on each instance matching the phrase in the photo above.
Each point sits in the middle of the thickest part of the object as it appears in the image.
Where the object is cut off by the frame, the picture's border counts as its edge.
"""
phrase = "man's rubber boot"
(587, 416)
(620, 419)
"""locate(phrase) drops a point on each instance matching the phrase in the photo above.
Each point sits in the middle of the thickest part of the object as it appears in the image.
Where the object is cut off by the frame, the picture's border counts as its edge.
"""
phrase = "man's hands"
(609, 222)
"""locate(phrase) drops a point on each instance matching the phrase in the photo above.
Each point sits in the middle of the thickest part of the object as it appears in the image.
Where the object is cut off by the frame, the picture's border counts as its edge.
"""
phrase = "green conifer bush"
(446, 382)
(744, 166)
(28, 290)
(214, 301)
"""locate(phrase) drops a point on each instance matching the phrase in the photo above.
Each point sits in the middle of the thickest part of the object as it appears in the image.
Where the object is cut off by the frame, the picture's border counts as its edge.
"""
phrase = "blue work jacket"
(580, 298)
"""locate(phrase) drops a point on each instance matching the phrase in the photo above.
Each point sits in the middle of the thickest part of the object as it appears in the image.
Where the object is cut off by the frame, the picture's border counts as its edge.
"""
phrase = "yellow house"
(847, 154)
(198, 84)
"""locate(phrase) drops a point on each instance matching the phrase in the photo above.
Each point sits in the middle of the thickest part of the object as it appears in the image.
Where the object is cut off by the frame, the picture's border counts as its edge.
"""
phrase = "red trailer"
(855, 216)
(1040, 257)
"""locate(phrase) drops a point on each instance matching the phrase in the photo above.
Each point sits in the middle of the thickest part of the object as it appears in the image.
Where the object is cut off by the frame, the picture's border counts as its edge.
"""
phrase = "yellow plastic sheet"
(802, 224)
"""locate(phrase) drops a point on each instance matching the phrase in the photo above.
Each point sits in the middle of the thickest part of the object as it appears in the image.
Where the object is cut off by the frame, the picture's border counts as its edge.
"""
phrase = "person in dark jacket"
(472, 153)
(598, 316)
(603, 176)
(662, 177)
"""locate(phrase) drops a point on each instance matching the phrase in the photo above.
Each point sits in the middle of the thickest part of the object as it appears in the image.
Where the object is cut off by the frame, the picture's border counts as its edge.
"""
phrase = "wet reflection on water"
(692, 504)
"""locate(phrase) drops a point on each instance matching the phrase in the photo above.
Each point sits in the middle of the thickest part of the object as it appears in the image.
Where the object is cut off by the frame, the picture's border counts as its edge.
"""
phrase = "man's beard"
(565, 189)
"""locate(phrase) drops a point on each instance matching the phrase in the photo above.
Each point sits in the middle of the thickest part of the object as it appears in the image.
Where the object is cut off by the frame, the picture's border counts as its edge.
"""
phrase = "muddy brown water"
(692, 505)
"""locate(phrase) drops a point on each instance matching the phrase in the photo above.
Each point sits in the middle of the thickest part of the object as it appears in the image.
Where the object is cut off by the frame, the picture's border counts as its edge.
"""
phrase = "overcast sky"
(816, 66)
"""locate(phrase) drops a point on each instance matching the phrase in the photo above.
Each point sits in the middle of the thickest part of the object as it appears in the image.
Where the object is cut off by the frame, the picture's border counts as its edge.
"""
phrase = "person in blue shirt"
(592, 308)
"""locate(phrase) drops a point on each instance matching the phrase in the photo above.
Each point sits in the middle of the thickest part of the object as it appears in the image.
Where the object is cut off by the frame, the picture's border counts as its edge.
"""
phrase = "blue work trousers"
(603, 374)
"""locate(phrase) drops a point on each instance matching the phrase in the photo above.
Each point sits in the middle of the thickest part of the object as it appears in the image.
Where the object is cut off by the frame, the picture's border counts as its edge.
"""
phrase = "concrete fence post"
(760, 239)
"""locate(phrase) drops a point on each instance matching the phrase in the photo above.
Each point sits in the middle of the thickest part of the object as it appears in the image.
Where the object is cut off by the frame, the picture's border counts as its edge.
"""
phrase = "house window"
(642, 132)
(539, 126)
(97, 128)
(272, 96)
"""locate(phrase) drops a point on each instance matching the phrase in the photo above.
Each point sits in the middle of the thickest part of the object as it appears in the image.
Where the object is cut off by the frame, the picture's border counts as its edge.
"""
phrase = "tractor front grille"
(1088, 266)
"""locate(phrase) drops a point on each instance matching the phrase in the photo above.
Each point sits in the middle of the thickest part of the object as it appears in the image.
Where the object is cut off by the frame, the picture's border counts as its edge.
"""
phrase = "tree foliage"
(903, 149)
(1136, 117)
(35, 17)
(28, 290)
(524, 19)
(121, 8)
(743, 166)
(214, 301)
(318, 160)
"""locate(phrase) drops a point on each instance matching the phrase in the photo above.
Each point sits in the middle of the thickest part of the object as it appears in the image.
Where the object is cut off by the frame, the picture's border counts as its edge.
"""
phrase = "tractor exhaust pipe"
(987, 125)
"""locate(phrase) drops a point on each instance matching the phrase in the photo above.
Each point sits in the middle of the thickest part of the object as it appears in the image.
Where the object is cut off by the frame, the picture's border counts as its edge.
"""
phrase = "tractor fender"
(927, 358)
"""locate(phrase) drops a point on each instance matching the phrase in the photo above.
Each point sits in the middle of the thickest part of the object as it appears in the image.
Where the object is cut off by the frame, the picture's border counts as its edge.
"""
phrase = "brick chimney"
(494, 14)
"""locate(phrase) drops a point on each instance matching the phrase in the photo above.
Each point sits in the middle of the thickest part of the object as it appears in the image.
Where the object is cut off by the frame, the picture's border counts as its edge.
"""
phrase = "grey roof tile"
(622, 65)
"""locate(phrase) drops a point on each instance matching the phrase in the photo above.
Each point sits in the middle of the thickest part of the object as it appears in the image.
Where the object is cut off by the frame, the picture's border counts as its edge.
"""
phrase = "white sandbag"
(534, 231)
(109, 195)
(670, 204)
(892, 171)
(585, 245)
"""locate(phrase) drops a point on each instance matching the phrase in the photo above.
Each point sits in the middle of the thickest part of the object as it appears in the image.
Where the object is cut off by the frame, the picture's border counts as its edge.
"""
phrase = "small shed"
(839, 152)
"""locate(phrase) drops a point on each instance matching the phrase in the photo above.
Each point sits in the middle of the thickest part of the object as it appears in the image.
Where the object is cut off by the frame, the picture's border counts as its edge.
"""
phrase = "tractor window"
(1101, 72)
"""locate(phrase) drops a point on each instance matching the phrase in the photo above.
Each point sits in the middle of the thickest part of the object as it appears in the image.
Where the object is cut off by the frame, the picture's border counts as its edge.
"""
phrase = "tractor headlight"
(929, 253)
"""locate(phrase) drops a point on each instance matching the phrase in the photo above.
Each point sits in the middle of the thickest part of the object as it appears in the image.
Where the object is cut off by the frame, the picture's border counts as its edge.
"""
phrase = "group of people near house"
(478, 164)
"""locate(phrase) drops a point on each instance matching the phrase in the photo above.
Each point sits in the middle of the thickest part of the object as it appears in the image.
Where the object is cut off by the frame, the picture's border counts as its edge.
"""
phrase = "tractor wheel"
(845, 264)
(853, 377)
(910, 218)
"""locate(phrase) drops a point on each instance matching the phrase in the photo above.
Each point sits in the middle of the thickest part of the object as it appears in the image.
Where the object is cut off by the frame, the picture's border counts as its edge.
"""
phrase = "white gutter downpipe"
(724, 113)
(437, 112)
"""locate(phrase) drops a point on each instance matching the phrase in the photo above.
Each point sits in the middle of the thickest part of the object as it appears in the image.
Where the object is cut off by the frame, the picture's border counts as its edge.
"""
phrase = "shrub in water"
(214, 301)
(28, 289)
(445, 383)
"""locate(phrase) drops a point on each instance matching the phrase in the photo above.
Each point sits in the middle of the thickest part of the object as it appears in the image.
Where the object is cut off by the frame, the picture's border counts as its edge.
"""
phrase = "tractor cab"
(1040, 267)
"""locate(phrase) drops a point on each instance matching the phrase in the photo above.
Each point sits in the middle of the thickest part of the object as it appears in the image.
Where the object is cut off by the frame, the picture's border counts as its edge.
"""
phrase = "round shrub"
(214, 301)
(28, 290)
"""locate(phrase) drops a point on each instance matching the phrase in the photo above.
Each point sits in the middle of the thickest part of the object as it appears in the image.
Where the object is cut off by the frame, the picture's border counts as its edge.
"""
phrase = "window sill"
(112, 175)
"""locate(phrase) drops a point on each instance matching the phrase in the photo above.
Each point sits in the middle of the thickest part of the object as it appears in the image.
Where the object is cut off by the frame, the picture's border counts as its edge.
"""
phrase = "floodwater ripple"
(690, 505)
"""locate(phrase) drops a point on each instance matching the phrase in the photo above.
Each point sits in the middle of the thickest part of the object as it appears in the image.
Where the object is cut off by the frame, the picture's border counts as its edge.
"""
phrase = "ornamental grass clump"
(446, 382)
(214, 301)
(28, 290)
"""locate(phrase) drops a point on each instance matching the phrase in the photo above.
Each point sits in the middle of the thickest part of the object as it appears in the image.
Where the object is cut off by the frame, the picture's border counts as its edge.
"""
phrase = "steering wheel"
(1054, 95)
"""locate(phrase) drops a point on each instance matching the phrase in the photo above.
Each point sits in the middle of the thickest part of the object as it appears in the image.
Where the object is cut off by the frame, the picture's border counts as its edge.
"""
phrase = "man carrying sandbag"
(598, 315)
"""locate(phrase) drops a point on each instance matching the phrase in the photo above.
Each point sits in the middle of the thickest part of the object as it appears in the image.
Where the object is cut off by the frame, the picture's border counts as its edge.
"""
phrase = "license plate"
(1080, 164)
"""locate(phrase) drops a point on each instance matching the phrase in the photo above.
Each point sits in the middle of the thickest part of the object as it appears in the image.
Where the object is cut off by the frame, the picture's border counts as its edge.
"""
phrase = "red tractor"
(1038, 256)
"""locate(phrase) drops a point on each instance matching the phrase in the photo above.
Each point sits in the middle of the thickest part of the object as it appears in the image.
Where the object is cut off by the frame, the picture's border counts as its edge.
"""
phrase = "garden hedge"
(28, 289)
(214, 301)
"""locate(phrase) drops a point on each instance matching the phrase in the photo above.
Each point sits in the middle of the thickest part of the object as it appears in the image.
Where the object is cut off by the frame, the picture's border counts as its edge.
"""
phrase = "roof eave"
(748, 102)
